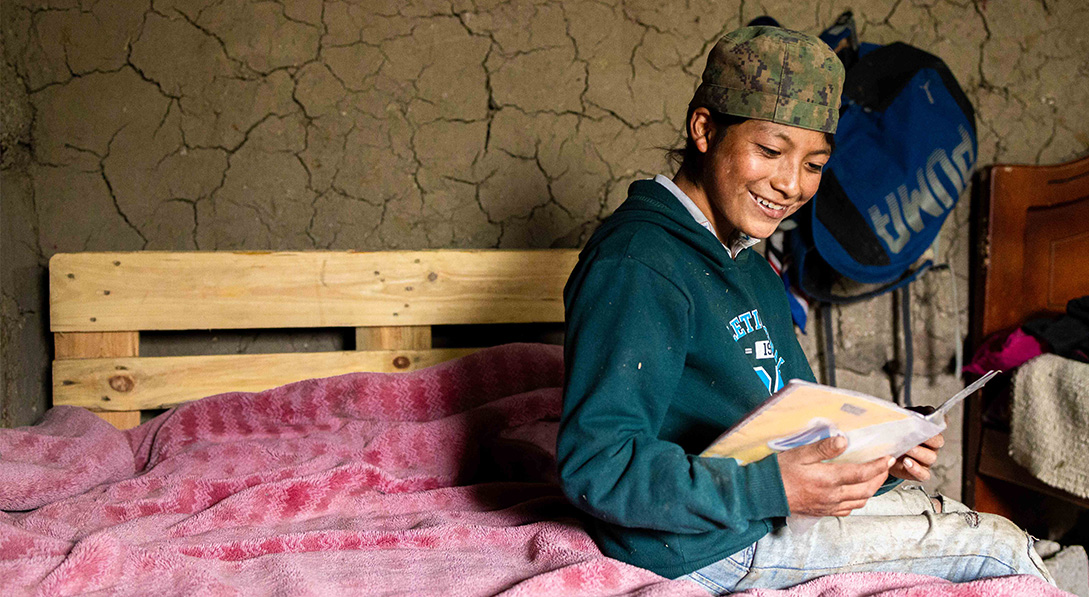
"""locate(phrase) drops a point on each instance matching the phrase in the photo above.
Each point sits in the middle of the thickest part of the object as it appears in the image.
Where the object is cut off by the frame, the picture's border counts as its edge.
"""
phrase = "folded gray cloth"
(1050, 424)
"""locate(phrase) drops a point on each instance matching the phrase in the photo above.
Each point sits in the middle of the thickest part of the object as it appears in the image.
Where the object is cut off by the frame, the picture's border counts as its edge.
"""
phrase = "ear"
(701, 129)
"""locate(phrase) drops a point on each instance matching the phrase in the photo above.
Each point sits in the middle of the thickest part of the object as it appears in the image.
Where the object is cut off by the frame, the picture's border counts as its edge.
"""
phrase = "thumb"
(828, 448)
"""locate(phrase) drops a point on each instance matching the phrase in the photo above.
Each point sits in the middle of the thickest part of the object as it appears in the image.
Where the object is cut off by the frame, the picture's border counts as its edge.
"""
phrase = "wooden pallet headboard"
(100, 302)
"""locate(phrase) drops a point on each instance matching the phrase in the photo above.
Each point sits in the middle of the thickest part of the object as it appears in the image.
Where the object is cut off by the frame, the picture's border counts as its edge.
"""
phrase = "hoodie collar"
(651, 202)
(737, 242)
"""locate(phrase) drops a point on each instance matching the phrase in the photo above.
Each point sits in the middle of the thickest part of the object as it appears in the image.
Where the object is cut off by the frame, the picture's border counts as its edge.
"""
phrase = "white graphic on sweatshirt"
(762, 349)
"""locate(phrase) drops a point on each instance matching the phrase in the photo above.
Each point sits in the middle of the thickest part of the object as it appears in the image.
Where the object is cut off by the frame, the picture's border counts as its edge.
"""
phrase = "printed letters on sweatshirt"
(749, 331)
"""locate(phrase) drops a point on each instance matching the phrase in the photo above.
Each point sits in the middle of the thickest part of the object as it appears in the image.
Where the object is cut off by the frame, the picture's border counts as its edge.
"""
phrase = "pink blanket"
(435, 482)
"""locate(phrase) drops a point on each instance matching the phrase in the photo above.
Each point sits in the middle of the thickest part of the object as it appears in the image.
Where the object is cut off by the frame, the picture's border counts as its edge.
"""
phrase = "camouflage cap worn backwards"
(773, 74)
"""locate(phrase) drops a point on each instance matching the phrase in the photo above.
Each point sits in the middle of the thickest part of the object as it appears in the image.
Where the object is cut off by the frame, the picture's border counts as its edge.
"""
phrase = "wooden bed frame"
(1032, 239)
(99, 303)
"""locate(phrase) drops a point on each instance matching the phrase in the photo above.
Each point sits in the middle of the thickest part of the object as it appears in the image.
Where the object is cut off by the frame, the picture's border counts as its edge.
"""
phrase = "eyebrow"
(785, 137)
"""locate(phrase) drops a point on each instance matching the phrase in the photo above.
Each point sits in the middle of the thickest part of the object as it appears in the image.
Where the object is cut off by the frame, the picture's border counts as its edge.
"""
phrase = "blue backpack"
(905, 150)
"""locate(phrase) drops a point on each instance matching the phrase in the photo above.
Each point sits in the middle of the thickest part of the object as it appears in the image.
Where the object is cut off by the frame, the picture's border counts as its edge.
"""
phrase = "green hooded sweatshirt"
(669, 342)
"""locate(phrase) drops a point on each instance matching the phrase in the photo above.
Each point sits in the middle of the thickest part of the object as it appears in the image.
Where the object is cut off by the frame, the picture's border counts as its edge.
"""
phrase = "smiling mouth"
(775, 207)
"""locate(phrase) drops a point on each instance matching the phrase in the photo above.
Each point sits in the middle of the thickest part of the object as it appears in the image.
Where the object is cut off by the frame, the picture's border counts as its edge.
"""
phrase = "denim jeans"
(899, 531)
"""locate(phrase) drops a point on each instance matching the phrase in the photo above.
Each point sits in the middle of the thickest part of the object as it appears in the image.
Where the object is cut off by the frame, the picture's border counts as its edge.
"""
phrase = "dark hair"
(690, 159)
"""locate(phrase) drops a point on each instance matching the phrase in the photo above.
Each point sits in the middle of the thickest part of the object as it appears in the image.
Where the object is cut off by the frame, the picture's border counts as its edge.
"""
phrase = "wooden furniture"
(1032, 238)
(100, 302)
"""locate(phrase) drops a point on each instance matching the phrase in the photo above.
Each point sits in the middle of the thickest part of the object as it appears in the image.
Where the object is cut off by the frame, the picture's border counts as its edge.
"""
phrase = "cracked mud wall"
(300, 124)
(24, 367)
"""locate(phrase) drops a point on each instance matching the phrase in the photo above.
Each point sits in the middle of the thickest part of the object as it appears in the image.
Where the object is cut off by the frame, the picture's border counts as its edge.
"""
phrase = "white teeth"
(768, 204)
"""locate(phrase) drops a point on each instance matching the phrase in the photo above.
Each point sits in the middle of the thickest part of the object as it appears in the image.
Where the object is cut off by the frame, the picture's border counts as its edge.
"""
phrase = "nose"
(786, 179)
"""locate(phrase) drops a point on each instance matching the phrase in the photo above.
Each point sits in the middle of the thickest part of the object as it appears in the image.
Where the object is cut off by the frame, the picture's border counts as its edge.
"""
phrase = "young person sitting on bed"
(676, 330)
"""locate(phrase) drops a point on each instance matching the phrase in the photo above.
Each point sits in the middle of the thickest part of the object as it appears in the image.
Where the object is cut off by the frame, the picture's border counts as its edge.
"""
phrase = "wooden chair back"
(1031, 237)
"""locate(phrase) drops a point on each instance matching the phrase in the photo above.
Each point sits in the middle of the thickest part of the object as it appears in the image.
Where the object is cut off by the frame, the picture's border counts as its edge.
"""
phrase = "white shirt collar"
(738, 240)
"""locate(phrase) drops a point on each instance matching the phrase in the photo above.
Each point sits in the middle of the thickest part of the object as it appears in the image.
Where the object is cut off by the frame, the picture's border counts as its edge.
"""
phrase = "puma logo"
(926, 87)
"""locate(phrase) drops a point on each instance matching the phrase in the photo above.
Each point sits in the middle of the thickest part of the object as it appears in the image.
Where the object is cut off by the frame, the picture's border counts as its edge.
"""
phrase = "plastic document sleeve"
(803, 412)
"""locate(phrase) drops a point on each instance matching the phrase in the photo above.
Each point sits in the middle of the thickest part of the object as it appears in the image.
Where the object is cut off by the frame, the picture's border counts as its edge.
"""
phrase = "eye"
(814, 167)
(769, 152)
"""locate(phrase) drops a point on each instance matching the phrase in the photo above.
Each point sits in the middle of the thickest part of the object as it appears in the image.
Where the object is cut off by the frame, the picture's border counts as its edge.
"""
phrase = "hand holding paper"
(816, 485)
(822, 474)
(915, 464)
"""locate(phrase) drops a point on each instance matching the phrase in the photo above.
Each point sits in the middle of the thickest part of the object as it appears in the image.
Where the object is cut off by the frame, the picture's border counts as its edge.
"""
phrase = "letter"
(747, 318)
(963, 156)
(918, 199)
(738, 332)
(881, 222)
(756, 318)
(939, 190)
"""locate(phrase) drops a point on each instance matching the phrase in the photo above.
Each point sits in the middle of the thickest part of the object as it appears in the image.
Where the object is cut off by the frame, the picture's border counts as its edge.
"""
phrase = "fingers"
(922, 455)
(846, 498)
(853, 474)
(935, 443)
(827, 448)
(846, 508)
(818, 488)
(915, 464)
(865, 485)
(910, 470)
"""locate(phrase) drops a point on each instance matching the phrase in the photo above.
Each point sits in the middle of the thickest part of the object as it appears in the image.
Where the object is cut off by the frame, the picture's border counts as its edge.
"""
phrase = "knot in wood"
(122, 383)
(401, 362)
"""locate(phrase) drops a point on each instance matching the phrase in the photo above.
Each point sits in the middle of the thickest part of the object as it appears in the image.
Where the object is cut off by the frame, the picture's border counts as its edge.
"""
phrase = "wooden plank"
(407, 337)
(223, 290)
(126, 419)
(93, 345)
(1014, 288)
(995, 461)
(122, 384)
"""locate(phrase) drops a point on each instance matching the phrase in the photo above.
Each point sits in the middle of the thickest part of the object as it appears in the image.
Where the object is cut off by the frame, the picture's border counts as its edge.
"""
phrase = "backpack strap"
(829, 345)
(904, 296)
(909, 351)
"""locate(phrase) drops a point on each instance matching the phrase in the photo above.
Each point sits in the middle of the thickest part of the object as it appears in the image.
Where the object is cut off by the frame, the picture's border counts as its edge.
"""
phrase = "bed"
(1032, 238)
(397, 468)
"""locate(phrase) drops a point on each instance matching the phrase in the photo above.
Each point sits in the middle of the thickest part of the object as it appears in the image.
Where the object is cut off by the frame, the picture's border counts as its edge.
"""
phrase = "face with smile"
(754, 174)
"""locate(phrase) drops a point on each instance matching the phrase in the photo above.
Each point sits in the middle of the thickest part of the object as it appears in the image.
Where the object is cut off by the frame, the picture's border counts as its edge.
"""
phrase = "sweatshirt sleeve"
(627, 331)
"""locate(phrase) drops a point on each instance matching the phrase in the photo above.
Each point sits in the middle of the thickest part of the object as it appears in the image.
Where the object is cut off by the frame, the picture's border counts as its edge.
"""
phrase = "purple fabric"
(1004, 352)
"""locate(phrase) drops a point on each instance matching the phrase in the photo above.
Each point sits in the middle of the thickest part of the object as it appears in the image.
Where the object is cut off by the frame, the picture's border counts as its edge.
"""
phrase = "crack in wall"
(222, 44)
(113, 194)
